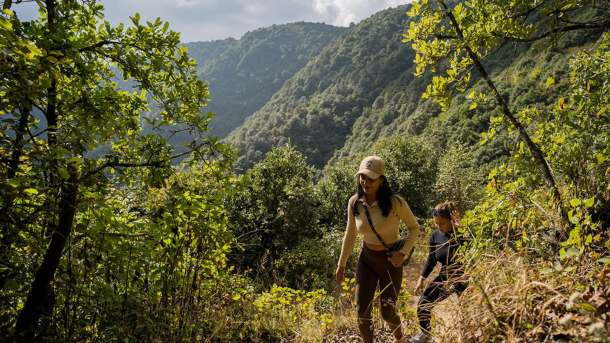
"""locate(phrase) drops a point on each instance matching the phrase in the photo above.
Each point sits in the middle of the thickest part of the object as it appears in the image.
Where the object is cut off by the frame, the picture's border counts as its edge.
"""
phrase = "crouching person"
(443, 245)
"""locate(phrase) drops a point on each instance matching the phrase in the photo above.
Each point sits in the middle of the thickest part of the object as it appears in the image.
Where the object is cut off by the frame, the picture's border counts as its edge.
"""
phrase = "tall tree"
(466, 32)
(64, 66)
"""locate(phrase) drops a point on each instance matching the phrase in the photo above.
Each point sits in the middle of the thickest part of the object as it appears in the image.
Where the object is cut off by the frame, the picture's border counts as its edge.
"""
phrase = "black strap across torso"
(368, 216)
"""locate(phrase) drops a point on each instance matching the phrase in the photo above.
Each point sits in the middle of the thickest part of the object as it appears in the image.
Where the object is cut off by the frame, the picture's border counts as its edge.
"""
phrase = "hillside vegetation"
(514, 126)
(362, 87)
(317, 107)
(251, 69)
(242, 74)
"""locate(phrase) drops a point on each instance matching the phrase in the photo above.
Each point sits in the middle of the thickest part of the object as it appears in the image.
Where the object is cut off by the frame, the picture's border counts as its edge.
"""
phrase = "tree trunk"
(29, 316)
(9, 237)
(19, 141)
(541, 162)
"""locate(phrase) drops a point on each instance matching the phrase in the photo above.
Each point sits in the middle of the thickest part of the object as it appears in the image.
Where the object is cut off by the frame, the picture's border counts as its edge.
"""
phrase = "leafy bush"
(332, 193)
(273, 210)
(458, 180)
(411, 169)
(312, 264)
(558, 255)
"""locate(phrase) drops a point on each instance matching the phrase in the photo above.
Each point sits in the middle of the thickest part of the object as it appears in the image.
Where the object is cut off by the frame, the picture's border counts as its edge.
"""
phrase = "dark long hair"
(385, 197)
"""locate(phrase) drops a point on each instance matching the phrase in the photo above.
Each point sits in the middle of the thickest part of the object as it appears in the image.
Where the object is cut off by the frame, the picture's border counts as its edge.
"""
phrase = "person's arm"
(351, 233)
(419, 288)
(431, 261)
(406, 216)
(428, 267)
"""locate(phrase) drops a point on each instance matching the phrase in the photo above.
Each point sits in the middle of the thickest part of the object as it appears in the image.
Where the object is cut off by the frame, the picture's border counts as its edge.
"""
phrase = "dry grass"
(510, 300)
(344, 327)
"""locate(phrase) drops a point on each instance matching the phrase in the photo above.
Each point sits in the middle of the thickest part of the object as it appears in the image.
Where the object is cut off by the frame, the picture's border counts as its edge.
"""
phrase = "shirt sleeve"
(431, 261)
(351, 233)
(403, 211)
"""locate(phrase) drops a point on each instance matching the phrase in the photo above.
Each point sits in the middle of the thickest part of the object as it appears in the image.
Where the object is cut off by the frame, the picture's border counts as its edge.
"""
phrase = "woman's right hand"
(340, 274)
(419, 289)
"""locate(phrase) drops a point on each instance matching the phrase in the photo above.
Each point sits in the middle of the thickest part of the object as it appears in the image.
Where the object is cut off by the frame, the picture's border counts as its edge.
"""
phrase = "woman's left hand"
(456, 218)
(396, 258)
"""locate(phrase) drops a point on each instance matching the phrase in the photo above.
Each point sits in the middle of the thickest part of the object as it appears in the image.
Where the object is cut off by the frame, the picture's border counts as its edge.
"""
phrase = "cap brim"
(368, 173)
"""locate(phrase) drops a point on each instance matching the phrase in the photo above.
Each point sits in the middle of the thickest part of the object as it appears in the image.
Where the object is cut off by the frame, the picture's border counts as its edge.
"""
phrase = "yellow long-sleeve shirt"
(387, 227)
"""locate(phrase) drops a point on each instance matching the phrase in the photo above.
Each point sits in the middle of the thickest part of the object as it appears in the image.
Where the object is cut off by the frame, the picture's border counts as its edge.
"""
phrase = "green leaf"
(5, 24)
(76, 159)
(237, 297)
(570, 269)
(473, 106)
(570, 252)
(590, 202)
(45, 82)
(12, 285)
(588, 307)
(605, 260)
(64, 174)
(550, 81)
(14, 182)
(575, 202)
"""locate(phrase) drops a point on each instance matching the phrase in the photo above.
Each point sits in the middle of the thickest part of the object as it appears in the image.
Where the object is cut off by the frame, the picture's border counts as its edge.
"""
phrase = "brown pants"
(373, 267)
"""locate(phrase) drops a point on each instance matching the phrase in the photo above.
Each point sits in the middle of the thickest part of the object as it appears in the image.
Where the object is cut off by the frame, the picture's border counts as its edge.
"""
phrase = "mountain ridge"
(323, 100)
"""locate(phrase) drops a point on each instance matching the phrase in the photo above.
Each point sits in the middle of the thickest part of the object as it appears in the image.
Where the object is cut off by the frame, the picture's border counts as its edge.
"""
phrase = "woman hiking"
(443, 245)
(375, 200)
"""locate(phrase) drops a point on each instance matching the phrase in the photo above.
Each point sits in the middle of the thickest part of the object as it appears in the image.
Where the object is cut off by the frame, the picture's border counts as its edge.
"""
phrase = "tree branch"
(98, 45)
(541, 162)
(528, 12)
(137, 165)
(604, 24)
(442, 36)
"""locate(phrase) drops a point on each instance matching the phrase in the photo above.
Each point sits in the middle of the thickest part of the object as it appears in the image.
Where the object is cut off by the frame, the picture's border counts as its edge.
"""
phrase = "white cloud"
(203, 20)
(394, 3)
(343, 12)
(188, 3)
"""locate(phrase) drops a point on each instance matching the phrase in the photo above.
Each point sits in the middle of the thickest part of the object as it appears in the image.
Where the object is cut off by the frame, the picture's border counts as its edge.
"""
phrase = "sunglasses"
(444, 212)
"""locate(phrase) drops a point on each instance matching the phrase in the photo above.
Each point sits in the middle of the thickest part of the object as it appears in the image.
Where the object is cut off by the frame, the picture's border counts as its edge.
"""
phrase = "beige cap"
(372, 166)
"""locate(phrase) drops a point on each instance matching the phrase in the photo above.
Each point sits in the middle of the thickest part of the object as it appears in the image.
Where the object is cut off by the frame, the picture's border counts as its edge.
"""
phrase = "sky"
(206, 20)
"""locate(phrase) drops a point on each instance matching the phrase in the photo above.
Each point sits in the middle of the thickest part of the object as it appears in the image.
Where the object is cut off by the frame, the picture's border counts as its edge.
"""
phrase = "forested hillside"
(243, 74)
(205, 52)
(250, 70)
(362, 87)
(317, 108)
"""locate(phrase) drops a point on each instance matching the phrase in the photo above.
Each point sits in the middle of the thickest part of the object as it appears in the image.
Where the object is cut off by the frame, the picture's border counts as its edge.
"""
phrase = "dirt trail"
(442, 313)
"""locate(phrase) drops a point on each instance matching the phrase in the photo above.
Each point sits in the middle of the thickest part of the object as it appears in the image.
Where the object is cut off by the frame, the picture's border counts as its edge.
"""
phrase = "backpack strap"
(400, 243)
(368, 216)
